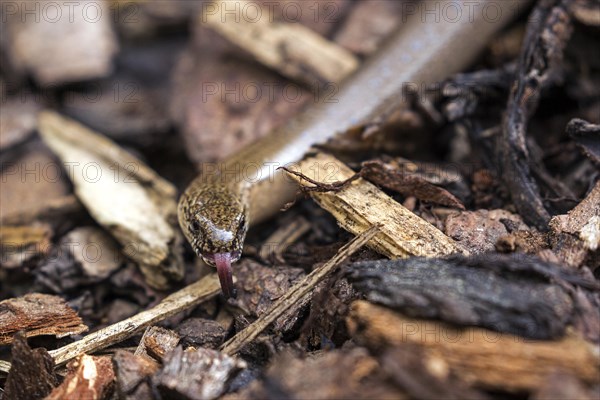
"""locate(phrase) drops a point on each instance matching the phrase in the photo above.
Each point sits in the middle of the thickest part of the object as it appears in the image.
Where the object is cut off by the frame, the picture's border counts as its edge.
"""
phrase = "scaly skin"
(214, 212)
(214, 220)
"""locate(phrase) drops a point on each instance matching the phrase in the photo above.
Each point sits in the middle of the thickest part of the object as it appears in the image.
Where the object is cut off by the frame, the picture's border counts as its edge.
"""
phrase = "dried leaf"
(396, 179)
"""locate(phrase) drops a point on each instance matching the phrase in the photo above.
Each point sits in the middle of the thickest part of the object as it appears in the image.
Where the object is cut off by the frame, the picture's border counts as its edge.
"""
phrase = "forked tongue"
(223, 264)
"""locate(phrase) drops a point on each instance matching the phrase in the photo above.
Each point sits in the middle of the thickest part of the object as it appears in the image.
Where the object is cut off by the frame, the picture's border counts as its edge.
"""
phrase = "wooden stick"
(360, 204)
(293, 50)
(141, 217)
(297, 293)
(177, 302)
(483, 357)
(280, 240)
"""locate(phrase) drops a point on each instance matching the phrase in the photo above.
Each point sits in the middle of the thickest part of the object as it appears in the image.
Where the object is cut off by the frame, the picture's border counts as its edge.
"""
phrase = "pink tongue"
(223, 264)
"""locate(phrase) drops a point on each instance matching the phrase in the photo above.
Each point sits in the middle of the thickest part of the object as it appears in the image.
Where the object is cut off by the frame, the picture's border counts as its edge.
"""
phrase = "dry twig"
(358, 204)
(177, 302)
(292, 49)
(481, 356)
(547, 34)
(280, 240)
(123, 195)
(296, 293)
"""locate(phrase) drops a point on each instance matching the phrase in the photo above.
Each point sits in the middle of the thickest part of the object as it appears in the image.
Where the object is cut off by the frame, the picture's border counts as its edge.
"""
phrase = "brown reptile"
(216, 209)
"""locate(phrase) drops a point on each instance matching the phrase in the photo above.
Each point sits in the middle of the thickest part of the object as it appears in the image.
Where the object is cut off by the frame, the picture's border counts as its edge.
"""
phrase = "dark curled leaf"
(395, 179)
(587, 137)
(518, 294)
(548, 30)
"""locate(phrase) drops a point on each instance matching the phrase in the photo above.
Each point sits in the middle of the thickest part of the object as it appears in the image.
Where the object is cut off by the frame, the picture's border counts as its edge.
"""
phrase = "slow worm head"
(214, 211)
(214, 219)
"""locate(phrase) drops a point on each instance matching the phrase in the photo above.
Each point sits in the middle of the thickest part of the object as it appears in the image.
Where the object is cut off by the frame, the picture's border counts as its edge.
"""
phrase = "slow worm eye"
(195, 225)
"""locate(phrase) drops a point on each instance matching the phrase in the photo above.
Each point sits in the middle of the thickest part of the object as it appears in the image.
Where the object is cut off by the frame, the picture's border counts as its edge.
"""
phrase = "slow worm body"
(215, 210)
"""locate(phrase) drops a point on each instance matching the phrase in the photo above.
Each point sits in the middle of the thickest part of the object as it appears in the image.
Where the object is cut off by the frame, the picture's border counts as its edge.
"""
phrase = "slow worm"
(216, 208)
